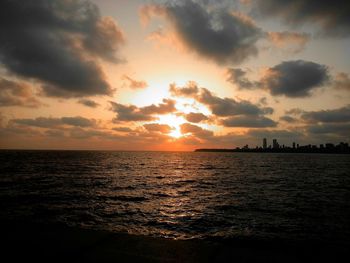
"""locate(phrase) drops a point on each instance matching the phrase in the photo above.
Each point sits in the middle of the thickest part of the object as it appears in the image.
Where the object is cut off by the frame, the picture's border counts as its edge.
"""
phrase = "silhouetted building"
(275, 144)
(342, 148)
(329, 145)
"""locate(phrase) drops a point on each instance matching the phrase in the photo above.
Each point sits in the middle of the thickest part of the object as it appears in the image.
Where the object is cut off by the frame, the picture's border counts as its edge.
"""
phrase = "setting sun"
(176, 133)
(174, 122)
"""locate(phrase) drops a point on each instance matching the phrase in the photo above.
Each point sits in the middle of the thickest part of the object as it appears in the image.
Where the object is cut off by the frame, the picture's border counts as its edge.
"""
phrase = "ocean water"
(181, 194)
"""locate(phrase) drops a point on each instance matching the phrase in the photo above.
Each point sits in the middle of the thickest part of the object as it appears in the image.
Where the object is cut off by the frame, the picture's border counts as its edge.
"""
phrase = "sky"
(173, 75)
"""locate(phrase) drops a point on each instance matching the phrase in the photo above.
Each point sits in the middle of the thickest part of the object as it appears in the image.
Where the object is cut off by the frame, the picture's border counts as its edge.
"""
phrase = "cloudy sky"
(173, 75)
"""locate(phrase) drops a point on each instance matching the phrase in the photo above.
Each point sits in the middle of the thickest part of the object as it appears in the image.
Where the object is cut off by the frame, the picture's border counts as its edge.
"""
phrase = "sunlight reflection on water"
(181, 195)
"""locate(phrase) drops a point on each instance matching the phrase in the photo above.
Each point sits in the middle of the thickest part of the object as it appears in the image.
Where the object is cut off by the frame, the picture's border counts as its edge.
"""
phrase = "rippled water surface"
(181, 195)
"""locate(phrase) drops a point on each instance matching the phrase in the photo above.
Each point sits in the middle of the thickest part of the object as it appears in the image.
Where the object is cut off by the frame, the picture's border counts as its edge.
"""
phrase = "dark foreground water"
(181, 195)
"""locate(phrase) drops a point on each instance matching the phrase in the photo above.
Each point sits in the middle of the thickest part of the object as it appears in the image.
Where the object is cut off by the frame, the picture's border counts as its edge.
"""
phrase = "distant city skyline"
(294, 145)
(340, 148)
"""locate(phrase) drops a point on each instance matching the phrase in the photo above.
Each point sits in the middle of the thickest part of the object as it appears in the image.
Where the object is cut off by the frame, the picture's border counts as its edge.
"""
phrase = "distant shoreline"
(281, 150)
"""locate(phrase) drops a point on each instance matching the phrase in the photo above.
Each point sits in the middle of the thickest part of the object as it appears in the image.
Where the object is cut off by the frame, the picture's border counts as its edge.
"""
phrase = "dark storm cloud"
(122, 129)
(133, 113)
(129, 113)
(242, 112)
(338, 129)
(227, 106)
(332, 17)
(10, 131)
(295, 78)
(78, 121)
(336, 115)
(248, 121)
(156, 127)
(44, 122)
(333, 123)
(196, 131)
(238, 76)
(89, 103)
(14, 93)
(58, 43)
(213, 33)
(190, 90)
(195, 117)
(166, 107)
(287, 118)
(41, 122)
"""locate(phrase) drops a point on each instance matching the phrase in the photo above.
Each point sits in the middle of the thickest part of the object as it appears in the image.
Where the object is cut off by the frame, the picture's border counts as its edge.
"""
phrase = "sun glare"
(176, 133)
(173, 121)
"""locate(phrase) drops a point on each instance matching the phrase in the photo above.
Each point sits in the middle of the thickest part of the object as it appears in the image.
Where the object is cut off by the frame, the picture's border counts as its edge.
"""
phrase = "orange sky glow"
(172, 76)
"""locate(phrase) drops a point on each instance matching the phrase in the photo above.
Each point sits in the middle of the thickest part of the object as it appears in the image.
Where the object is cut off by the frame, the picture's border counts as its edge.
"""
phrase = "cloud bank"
(332, 18)
(13, 93)
(216, 34)
(133, 113)
(59, 43)
(227, 112)
(44, 122)
(293, 78)
(296, 78)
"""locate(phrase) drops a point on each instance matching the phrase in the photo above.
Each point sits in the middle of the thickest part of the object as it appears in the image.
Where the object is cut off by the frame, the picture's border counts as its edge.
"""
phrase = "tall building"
(275, 144)
(264, 143)
(293, 145)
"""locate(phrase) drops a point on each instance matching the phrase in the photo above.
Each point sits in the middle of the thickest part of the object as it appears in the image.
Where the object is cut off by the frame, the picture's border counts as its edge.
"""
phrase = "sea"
(181, 195)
